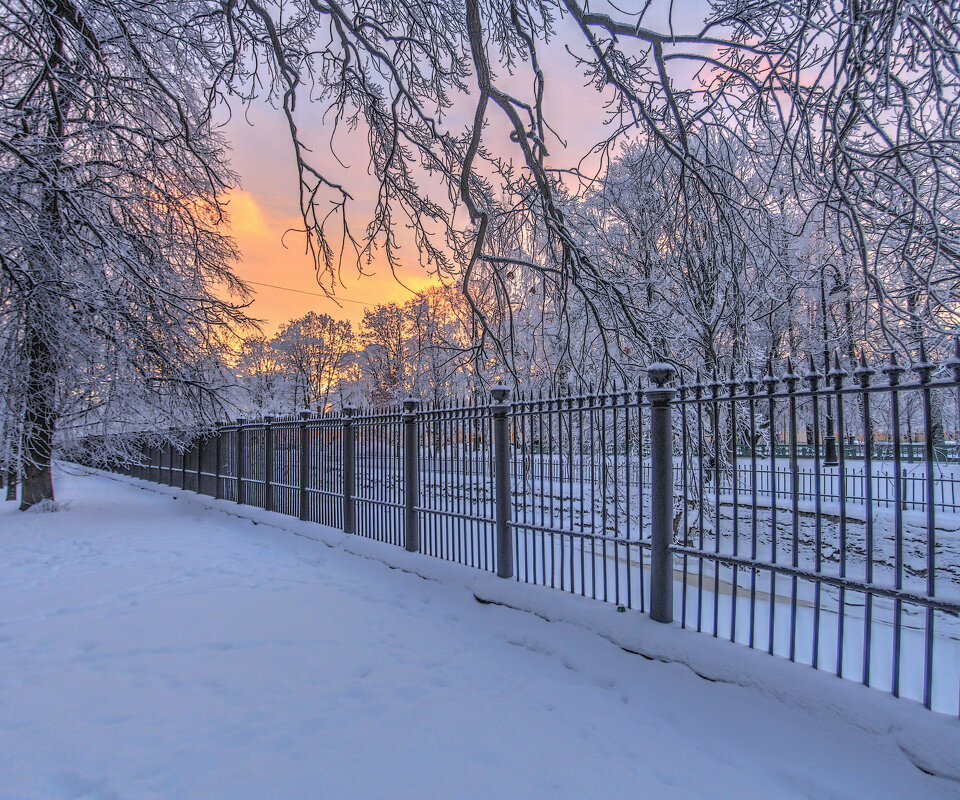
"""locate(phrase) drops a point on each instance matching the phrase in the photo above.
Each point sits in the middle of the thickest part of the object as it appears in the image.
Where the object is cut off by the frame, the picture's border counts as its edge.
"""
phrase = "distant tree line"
(420, 348)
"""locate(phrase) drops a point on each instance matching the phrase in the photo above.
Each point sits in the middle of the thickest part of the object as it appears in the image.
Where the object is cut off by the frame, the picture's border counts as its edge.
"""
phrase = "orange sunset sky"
(266, 260)
(266, 205)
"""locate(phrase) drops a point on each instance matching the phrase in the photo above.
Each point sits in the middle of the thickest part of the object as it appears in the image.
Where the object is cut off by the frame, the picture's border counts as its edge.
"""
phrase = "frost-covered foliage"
(113, 261)
(778, 176)
(781, 130)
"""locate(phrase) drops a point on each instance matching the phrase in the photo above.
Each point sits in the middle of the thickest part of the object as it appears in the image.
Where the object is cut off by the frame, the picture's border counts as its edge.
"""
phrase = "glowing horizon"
(272, 253)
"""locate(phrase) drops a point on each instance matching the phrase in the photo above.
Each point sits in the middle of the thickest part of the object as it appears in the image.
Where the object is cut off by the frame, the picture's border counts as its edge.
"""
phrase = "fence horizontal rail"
(812, 516)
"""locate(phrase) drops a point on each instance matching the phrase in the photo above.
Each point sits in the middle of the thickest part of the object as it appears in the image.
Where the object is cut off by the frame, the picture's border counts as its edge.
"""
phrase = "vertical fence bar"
(894, 371)
(217, 460)
(813, 379)
(790, 379)
(770, 382)
(411, 476)
(863, 374)
(661, 492)
(501, 476)
(268, 463)
(349, 462)
(838, 374)
(923, 369)
(304, 464)
(241, 494)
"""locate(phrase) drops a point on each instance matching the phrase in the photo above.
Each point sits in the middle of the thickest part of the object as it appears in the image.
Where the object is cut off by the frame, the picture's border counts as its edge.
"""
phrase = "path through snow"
(155, 645)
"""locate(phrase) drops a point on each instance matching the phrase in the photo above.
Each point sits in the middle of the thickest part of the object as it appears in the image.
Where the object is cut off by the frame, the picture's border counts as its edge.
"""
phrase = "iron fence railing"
(729, 506)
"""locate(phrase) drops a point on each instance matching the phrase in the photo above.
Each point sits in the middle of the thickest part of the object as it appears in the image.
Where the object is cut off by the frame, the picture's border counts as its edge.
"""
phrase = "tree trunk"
(38, 418)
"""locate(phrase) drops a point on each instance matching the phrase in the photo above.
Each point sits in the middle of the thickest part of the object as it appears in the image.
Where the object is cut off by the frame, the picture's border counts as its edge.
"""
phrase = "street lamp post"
(829, 440)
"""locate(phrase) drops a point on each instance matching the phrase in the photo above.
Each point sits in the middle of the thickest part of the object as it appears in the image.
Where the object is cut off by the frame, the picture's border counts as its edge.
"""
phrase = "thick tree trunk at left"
(36, 482)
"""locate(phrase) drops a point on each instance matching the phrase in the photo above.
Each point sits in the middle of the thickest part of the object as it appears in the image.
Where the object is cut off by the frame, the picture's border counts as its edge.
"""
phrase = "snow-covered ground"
(159, 644)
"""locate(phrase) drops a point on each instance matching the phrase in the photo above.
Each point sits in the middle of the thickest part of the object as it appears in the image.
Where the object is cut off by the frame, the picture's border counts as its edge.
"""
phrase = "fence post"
(500, 396)
(661, 492)
(411, 476)
(349, 460)
(304, 463)
(268, 463)
(241, 495)
(217, 455)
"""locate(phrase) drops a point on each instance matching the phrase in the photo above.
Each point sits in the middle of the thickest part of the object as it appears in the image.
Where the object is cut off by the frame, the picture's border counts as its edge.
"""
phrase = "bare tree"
(858, 98)
(382, 362)
(313, 349)
(261, 377)
(113, 261)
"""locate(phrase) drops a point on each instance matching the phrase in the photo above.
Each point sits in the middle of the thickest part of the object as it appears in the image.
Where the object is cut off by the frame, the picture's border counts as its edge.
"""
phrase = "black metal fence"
(663, 499)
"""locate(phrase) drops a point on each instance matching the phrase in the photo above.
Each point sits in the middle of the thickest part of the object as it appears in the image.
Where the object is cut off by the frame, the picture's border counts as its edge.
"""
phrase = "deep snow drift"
(156, 645)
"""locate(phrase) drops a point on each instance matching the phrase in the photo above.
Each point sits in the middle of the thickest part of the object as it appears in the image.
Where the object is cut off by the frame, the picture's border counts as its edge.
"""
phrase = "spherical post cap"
(500, 394)
(661, 373)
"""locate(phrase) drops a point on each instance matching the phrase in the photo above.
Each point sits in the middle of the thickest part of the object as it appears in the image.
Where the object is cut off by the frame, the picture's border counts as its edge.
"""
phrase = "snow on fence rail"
(848, 562)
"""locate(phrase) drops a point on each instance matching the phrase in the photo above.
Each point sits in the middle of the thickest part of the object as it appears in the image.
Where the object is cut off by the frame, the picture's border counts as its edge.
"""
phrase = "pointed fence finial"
(923, 368)
(732, 383)
(698, 384)
(863, 371)
(893, 369)
(791, 378)
(770, 380)
(837, 373)
(813, 376)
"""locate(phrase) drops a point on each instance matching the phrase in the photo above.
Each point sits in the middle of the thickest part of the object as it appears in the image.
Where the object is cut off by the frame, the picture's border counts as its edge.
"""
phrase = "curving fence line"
(659, 497)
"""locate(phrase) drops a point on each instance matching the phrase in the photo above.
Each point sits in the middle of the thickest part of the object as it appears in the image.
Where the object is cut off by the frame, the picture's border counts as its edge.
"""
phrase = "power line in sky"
(312, 294)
